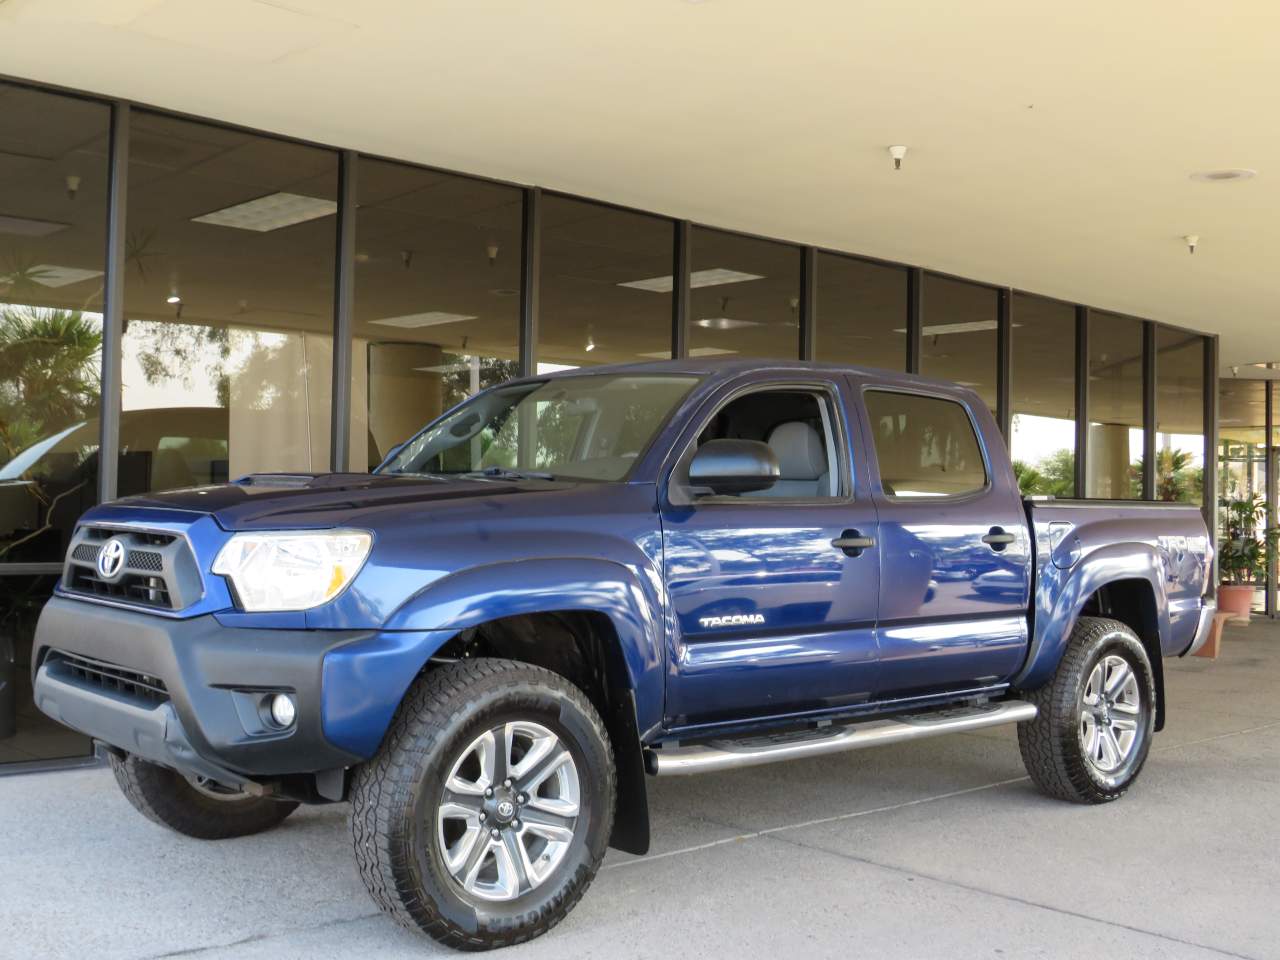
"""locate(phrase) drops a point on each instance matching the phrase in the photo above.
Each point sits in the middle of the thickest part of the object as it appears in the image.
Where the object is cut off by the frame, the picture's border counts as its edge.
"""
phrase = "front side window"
(926, 445)
(578, 428)
(796, 425)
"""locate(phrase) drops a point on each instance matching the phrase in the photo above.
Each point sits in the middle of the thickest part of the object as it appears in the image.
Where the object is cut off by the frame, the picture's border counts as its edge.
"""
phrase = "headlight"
(291, 571)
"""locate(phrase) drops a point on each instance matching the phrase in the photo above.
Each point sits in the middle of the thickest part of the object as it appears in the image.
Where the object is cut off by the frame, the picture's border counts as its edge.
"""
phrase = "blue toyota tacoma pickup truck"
(571, 582)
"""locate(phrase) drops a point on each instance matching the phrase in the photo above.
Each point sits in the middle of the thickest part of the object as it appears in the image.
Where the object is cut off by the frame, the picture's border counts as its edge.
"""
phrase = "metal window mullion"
(1210, 472)
(915, 306)
(808, 302)
(1004, 360)
(1148, 410)
(1271, 487)
(1082, 401)
(113, 304)
(530, 279)
(343, 309)
(680, 295)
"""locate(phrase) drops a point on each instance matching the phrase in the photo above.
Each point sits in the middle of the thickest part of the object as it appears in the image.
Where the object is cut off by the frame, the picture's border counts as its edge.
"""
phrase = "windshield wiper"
(505, 473)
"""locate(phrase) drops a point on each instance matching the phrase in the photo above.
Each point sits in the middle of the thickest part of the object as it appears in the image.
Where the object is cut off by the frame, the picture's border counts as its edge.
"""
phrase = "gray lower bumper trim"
(1203, 627)
(153, 733)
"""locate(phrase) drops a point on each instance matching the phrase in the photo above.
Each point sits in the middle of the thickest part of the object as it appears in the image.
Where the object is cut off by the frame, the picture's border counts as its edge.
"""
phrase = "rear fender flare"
(1062, 594)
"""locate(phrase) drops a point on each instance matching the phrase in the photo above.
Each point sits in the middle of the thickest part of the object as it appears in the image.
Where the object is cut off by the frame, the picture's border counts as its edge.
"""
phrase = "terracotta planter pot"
(1236, 599)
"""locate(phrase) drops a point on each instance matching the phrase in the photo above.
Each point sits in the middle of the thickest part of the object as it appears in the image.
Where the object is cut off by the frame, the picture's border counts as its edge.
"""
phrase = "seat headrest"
(799, 451)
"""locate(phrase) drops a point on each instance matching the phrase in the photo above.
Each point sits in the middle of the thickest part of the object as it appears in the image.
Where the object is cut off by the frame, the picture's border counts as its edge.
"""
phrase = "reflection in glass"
(1179, 416)
(1115, 407)
(437, 299)
(52, 243)
(228, 343)
(53, 187)
(606, 285)
(1242, 456)
(958, 334)
(861, 313)
(744, 296)
(1042, 396)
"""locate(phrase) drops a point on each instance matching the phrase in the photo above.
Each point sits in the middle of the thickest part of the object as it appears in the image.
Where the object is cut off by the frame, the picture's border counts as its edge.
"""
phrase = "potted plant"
(1241, 557)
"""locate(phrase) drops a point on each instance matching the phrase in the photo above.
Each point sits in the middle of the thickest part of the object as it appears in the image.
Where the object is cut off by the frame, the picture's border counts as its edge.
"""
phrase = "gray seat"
(802, 458)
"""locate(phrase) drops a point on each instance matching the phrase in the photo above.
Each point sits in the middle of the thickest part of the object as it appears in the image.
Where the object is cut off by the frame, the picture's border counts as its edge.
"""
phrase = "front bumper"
(195, 707)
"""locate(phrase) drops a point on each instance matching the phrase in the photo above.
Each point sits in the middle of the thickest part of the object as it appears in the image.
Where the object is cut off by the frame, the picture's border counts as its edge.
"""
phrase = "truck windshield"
(590, 427)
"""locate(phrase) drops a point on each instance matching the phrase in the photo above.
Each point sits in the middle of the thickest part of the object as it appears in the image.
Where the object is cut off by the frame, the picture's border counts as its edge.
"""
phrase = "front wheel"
(194, 806)
(487, 811)
(1096, 716)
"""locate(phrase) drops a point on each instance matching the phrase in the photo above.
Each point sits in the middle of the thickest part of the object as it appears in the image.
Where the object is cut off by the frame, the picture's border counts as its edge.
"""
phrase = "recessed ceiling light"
(27, 227)
(711, 277)
(173, 298)
(271, 212)
(1222, 176)
(695, 352)
(432, 318)
(724, 323)
(52, 275)
(505, 292)
(937, 329)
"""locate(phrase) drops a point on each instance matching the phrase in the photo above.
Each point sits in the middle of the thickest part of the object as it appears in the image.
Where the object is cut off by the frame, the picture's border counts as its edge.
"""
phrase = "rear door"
(955, 548)
(771, 616)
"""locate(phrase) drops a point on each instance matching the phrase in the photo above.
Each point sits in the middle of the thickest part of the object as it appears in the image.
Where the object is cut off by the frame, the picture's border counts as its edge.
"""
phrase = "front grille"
(130, 588)
(111, 677)
(158, 572)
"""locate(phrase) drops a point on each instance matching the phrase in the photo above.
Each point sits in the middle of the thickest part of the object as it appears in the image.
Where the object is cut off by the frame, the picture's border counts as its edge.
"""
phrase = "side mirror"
(734, 466)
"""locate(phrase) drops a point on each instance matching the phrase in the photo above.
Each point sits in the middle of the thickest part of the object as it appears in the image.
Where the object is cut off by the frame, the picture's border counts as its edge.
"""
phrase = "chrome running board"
(751, 751)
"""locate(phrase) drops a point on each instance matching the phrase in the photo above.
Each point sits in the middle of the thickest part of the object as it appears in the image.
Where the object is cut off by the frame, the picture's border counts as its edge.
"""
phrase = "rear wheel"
(195, 807)
(1096, 717)
(485, 815)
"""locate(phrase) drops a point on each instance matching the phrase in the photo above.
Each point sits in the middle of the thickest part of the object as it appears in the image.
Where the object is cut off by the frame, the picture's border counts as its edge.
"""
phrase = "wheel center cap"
(505, 810)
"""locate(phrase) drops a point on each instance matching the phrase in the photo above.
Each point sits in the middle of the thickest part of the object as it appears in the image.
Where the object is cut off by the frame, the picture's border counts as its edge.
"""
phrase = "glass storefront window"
(437, 299)
(1242, 464)
(606, 285)
(1115, 407)
(53, 226)
(229, 273)
(958, 334)
(861, 313)
(1179, 416)
(744, 296)
(1042, 395)
(53, 222)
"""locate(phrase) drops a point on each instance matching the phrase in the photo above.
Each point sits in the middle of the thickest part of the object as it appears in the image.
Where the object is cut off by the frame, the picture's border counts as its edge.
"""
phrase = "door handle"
(998, 539)
(853, 543)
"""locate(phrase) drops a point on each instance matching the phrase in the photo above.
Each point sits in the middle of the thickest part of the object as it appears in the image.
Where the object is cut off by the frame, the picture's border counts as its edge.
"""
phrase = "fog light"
(283, 710)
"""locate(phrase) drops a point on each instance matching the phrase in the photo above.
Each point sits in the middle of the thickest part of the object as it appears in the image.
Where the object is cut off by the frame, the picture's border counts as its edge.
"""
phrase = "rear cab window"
(925, 446)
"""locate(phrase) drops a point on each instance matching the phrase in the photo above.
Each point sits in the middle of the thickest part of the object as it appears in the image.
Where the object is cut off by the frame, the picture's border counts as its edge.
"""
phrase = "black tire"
(169, 799)
(1053, 744)
(396, 796)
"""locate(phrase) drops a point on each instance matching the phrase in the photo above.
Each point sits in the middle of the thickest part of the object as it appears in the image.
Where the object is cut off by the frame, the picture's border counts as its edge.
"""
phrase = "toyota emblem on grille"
(111, 559)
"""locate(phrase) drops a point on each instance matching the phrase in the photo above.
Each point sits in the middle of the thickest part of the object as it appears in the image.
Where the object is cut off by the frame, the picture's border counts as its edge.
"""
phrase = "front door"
(956, 580)
(771, 615)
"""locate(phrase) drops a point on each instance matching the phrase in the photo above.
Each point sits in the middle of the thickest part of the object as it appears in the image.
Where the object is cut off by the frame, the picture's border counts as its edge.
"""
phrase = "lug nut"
(507, 782)
(494, 833)
(488, 791)
(515, 824)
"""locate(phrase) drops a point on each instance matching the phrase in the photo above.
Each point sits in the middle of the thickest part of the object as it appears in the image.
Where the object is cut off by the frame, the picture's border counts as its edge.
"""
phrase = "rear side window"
(926, 446)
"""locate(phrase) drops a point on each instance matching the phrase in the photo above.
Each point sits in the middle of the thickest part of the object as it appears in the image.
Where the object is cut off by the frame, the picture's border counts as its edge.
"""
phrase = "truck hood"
(319, 499)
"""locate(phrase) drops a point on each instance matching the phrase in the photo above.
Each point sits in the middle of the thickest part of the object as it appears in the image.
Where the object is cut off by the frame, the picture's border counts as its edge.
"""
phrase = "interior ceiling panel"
(1050, 149)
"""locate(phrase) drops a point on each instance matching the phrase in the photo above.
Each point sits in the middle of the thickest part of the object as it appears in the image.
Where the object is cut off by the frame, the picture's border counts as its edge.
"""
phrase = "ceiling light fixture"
(724, 323)
(711, 277)
(432, 318)
(271, 212)
(28, 227)
(491, 251)
(52, 275)
(1225, 175)
(1192, 239)
(73, 186)
(173, 298)
(591, 341)
(899, 153)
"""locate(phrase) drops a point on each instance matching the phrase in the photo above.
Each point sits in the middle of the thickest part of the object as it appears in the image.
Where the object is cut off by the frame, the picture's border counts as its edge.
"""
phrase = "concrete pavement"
(934, 849)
